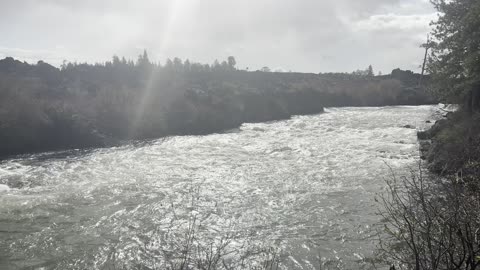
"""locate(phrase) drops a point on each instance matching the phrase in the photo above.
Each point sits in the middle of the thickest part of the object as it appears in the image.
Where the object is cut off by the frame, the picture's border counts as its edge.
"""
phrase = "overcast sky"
(298, 35)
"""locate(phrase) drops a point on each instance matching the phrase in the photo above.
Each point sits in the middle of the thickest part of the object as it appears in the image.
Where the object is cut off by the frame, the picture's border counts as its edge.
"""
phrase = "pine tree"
(370, 71)
(454, 61)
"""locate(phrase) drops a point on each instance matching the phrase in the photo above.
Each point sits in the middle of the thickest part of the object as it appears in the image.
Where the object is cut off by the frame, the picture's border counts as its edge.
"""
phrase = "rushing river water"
(301, 190)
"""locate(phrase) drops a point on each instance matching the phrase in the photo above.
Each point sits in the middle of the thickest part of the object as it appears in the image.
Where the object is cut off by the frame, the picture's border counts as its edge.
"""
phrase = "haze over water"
(305, 186)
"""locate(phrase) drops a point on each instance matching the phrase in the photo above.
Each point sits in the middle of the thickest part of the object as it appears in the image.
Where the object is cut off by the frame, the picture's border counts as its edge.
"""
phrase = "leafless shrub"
(431, 223)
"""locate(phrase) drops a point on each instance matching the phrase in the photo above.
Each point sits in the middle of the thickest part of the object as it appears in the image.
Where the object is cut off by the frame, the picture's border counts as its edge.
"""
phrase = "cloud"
(303, 35)
(395, 22)
(55, 56)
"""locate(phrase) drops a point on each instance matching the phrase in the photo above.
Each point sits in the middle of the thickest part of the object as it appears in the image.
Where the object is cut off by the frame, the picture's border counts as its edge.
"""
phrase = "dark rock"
(425, 145)
(428, 121)
(437, 127)
(409, 126)
(449, 115)
(423, 135)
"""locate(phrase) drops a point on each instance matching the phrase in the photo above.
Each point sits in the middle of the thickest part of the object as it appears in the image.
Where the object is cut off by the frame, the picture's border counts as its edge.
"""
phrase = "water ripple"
(306, 185)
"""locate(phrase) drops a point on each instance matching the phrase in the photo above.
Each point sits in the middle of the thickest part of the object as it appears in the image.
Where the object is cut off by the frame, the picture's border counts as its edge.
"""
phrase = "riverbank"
(44, 108)
(452, 144)
(192, 115)
(432, 218)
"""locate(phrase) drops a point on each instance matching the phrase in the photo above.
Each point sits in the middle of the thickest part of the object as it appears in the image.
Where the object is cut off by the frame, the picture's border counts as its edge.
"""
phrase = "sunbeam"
(292, 134)
(175, 10)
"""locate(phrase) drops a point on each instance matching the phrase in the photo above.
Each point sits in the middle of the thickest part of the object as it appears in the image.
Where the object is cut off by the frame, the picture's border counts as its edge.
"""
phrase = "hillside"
(46, 108)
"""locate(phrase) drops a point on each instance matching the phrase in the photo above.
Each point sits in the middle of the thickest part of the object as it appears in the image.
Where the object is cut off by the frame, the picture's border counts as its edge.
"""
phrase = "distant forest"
(46, 108)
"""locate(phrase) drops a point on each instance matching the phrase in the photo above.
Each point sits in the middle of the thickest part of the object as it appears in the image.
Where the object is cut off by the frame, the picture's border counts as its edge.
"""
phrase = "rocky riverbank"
(452, 144)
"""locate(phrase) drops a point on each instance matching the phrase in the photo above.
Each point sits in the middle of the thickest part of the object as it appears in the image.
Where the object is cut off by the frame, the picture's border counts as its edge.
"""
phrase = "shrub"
(431, 223)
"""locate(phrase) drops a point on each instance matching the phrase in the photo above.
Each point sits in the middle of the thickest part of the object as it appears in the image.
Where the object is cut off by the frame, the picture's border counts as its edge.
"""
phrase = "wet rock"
(449, 115)
(430, 133)
(438, 126)
(428, 121)
(423, 135)
(409, 126)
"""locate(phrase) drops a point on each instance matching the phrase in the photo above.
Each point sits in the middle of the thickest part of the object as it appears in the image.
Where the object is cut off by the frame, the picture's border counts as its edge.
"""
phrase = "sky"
(288, 35)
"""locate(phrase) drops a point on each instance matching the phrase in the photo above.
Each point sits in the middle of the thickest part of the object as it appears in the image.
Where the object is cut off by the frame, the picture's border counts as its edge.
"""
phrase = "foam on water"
(4, 188)
(306, 185)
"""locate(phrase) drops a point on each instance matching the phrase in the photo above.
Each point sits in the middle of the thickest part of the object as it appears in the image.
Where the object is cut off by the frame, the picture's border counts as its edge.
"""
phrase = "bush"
(431, 223)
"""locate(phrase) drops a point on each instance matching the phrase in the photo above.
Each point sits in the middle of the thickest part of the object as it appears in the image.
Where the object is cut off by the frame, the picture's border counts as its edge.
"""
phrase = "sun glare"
(175, 12)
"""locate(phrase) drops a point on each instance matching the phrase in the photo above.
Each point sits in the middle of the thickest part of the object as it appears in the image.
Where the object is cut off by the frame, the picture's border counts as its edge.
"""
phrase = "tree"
(143, 62)
(370, 71)
(454, 61)
(177, 64)
(225, 65)
(232, 62)
(186, 65)
(64, 65)
(360, 72)
(143, 58)
(265, 69)
(169, 64)
(115, 61)
(216, 65)
(145, 55)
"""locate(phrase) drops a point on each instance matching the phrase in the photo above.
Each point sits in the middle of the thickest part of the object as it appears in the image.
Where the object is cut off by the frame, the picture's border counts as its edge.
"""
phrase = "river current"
(299, 192)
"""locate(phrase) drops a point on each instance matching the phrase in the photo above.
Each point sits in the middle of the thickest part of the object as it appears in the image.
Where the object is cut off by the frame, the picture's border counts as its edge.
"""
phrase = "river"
(299, 192)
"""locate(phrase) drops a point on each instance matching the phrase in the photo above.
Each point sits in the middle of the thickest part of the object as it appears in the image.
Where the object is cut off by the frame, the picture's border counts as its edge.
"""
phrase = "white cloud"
(300, 35)
(54, 57)
(392, 22)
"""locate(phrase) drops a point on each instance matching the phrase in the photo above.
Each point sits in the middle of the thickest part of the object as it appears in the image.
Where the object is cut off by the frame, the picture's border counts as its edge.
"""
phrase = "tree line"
(88, 105)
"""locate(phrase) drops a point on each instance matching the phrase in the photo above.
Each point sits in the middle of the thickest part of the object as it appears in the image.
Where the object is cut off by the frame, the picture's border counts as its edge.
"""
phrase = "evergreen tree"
(455, 56)
(370, 71)
(216, 64)
(143, 60)
(232, 62)
(169, 64)
(186, 65)
(225, 65)
(177, 64)
(115, 61)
